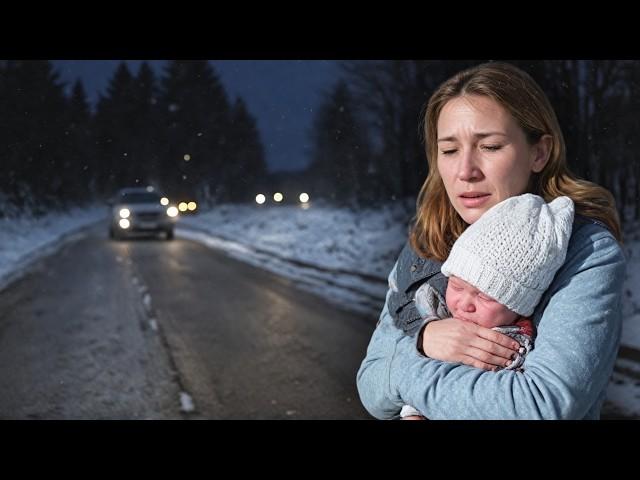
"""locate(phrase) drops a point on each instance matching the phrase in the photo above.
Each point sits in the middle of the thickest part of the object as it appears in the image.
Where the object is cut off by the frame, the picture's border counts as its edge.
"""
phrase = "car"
(140, 210)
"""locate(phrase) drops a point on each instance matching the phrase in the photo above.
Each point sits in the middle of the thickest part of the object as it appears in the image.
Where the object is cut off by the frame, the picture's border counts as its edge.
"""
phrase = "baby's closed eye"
(485, 298)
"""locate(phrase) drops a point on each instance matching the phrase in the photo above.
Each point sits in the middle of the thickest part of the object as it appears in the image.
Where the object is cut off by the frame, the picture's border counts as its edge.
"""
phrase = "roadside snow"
(25, 239)
(343, 255)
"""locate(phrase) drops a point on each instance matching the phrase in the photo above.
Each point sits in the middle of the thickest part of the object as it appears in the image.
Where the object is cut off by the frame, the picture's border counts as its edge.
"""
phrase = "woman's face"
(483, 155)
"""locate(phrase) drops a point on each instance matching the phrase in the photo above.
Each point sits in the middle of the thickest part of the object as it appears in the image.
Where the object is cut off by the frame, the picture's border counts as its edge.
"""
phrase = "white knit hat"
(513, 251)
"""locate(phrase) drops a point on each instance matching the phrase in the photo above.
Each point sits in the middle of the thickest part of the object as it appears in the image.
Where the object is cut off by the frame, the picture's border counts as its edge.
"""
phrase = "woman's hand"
(454, 340)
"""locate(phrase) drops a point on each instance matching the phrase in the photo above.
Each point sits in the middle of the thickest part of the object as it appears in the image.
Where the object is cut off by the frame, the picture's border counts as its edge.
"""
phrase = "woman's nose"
(468, 169)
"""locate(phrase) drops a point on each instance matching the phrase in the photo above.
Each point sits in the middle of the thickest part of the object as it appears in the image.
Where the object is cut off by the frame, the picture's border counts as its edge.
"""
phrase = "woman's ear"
(541, 153)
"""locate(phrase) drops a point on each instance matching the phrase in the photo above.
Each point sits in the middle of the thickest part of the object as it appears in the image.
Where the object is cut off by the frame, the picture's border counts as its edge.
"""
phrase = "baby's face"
(468, 303)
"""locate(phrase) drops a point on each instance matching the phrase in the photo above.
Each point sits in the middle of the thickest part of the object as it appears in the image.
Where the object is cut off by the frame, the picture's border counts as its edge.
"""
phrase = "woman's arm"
(373, 376)
(462, 345)
(566, 373)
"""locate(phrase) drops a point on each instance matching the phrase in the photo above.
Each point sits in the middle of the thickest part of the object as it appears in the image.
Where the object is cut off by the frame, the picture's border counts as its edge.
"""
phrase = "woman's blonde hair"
(437, 225)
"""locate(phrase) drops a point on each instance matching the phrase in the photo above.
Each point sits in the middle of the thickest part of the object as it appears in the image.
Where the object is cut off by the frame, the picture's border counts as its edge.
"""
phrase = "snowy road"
(147, 329)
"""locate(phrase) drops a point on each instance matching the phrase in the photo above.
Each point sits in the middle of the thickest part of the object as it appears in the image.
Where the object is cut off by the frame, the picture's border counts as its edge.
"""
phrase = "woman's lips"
(474, 200)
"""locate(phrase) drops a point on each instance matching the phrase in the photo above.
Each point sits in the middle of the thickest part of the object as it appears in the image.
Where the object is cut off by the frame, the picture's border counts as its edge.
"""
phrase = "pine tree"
(79, 166)
(149, 128)
(247, 167)
(33, 111)
(115, 131)
(340, 158)
(198, 117)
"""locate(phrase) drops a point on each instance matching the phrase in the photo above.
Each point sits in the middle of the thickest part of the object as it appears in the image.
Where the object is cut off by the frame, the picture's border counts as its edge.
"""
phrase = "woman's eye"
(492, 148)
(448, 152)
(486, 299)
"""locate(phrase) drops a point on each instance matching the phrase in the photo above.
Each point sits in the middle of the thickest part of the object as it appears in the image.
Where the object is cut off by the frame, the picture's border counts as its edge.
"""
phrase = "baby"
(499, 268)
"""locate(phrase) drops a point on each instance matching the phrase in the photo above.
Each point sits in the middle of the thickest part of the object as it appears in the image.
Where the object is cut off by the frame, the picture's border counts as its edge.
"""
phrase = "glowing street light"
(260, 199)
(278, 197)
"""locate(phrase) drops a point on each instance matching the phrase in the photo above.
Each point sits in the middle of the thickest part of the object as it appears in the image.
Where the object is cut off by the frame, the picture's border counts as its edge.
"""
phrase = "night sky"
(283, 95)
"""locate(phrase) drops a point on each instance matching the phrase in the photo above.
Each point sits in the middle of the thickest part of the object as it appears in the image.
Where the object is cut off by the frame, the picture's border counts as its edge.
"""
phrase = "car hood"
(140, 207)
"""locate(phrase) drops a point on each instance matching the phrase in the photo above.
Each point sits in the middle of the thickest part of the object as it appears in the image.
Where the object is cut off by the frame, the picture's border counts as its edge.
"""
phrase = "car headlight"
(124, 213)
(172, 211)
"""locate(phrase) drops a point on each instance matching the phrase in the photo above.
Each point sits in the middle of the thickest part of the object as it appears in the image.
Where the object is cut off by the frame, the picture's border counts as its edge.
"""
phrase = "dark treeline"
(179, 132)
(368, 142)
(182, 133)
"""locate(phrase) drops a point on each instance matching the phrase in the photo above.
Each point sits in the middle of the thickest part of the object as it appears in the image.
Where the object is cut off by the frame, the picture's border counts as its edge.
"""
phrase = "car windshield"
(139, 197)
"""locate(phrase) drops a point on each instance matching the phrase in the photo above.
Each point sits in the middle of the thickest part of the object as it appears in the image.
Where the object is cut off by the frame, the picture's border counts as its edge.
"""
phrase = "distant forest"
(179, 132)
(182, 133)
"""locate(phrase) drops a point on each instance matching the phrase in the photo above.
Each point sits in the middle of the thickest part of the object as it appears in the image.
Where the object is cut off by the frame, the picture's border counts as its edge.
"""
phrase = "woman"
(491, 134)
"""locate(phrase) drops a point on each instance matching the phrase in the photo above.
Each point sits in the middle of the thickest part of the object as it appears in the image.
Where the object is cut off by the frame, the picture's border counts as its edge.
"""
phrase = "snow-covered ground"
(342, 255)
(24, 239)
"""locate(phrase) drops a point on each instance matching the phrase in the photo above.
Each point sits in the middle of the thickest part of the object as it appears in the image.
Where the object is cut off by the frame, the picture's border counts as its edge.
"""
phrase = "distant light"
(278, 197)
(149, 188)
(172, 211)
(182, 207)
(191, 206)
(304, 197)
(124, 213)
(260, 199)
(124, 223)
(164, 201)
(187, 157)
